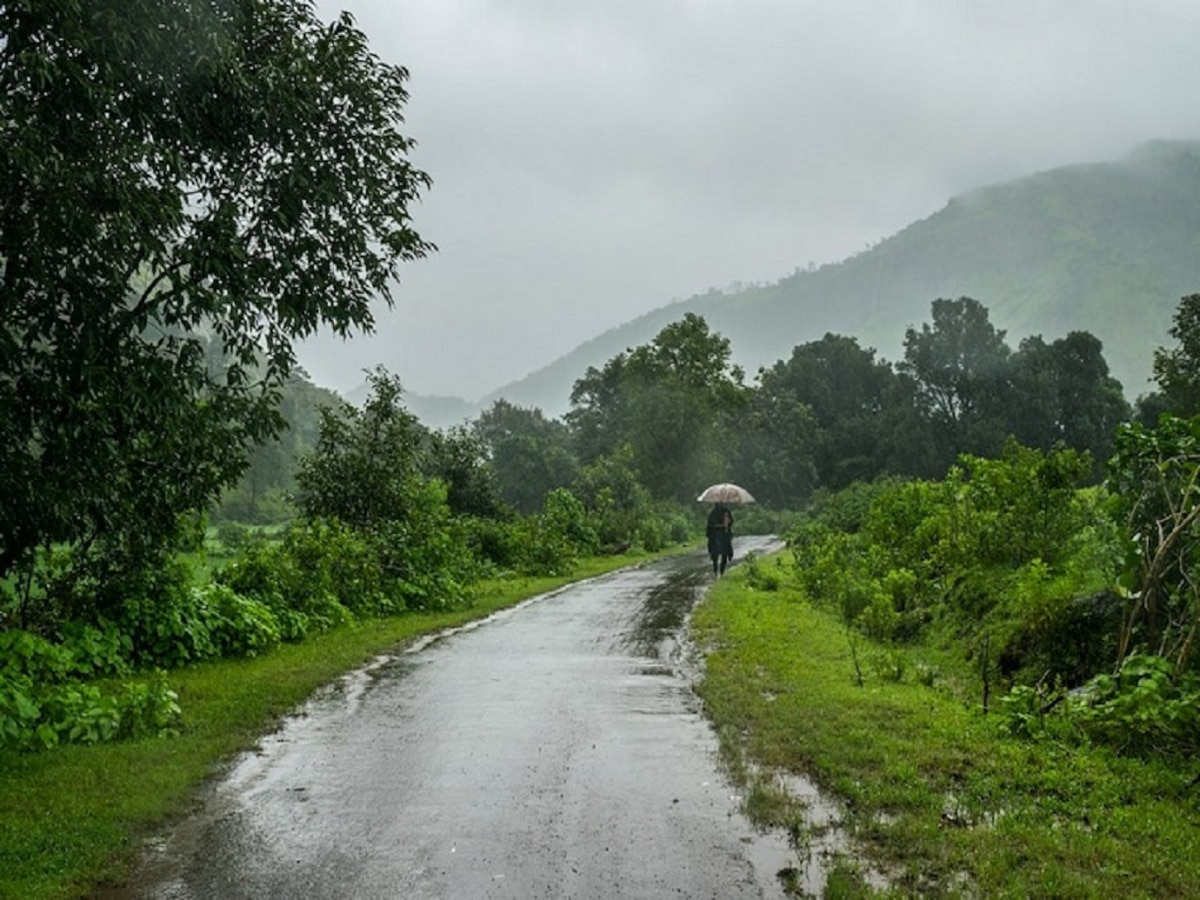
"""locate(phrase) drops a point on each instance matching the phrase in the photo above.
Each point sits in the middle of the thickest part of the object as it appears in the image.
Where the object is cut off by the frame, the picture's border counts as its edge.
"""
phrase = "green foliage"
(552, 542)
(1155, 475)
(663, 524)
(879, 619)
(380, 536)
(98, 650)
(959, 364)
(614, 498)
(189, 187)
(43, 703)
(530, 455)
(192, 624)
(1147, 706)
(566, 514)
(366, 464)
(830, 415)
(1007, 552)
(943, 799)
(762, 576)
(668, 404)
(324, 573)
(425, 560)
(261, 497)
(1025, 711)
(495, 544)
(545, 550)
(458, 457)
(1063, 394)
(1177, 369)
(293, 578)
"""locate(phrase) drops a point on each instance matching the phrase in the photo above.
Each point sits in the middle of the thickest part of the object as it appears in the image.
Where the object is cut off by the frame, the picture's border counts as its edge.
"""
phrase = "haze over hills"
(1107, 248)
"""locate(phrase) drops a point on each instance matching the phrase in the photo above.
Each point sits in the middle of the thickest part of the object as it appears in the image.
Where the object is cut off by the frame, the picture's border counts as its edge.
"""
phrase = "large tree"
(188, 186)
(530, 454)
(670, 401)
(960, 364)
(1063, 394)
(862, 413)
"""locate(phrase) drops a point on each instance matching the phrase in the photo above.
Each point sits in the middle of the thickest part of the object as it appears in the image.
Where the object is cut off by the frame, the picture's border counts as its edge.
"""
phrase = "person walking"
(720, 537)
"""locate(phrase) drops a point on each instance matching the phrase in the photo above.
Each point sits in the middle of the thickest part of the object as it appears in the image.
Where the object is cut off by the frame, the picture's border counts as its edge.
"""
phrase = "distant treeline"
(677, 414)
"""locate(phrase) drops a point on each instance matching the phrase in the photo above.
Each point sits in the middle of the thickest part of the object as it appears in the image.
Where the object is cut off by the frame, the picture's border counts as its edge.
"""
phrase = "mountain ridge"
(1103, 247)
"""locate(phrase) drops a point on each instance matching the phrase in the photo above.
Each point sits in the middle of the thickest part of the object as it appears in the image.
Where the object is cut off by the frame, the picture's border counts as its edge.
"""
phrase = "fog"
(596, 160)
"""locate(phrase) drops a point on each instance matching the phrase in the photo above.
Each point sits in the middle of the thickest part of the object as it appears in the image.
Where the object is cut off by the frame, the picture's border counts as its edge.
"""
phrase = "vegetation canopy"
(188, 187)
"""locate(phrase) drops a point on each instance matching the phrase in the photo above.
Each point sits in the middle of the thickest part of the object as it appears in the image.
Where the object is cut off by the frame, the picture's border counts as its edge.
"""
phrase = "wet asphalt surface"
(555, 750)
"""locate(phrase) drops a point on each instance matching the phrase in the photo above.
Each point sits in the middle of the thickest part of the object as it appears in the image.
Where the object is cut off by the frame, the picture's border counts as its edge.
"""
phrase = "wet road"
(554, 751)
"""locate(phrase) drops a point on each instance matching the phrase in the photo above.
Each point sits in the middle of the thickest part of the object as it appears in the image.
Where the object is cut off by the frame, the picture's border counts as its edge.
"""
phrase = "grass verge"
(933, 791)
(72, 818)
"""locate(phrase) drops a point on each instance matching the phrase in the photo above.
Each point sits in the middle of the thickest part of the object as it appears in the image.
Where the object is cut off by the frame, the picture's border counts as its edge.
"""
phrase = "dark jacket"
(720, 532)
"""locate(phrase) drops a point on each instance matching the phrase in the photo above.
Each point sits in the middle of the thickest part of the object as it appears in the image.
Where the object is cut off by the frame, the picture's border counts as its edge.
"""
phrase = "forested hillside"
(1107, 247)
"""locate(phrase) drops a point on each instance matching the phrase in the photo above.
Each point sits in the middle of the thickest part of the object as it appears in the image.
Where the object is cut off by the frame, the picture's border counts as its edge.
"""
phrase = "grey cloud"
(592, 161)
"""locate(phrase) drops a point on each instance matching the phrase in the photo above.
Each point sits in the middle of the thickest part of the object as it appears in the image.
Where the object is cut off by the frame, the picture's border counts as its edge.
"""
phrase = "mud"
(553, 750)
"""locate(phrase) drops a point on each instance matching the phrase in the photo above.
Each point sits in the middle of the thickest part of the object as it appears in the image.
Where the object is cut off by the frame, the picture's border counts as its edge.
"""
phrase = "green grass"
(72, 818)
(933, 791)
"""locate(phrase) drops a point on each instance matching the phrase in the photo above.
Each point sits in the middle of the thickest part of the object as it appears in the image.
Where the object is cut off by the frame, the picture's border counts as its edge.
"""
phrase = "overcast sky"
(596, 159)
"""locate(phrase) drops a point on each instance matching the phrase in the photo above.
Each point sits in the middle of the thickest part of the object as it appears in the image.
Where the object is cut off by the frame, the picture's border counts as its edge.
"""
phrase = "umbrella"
(725, 493)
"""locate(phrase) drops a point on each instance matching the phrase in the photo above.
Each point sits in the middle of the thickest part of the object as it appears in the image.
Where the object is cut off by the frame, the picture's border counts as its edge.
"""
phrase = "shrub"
(544, 550)
(98, 649)
(169, 629)
(239, 626)
(1146, 706)
(296, 578)
(491, 541)
(763, 577)
(41, 705)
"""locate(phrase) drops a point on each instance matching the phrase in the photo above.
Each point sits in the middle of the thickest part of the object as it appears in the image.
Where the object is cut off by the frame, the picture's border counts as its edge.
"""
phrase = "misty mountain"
(1107, 248)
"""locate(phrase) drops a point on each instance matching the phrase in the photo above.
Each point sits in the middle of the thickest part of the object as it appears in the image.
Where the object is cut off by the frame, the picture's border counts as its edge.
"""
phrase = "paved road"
(554, 751)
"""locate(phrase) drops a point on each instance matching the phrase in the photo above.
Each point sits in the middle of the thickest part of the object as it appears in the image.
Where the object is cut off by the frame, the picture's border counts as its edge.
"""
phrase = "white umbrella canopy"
(726, 492)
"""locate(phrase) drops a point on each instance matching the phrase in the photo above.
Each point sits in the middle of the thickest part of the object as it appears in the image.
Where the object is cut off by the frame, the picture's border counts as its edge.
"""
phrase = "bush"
(545, 550)
(239, 626)
(763, 577)
(187, 626)
(492, 542)
(757, 519)
(295, 590)
(97, 650)
(170, 628)
(42, 705)
(325, 573)
(1146, 707)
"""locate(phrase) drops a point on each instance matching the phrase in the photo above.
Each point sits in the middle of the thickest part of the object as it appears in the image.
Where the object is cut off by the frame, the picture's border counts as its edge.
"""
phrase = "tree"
(961, 367)
(1063, 394)
(670, 401)
(183, 183)
(367, 463)
(1155, 474)
(775, 449)
(856, 406)
(530, 454)
(1177, 369)
(458, 458)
